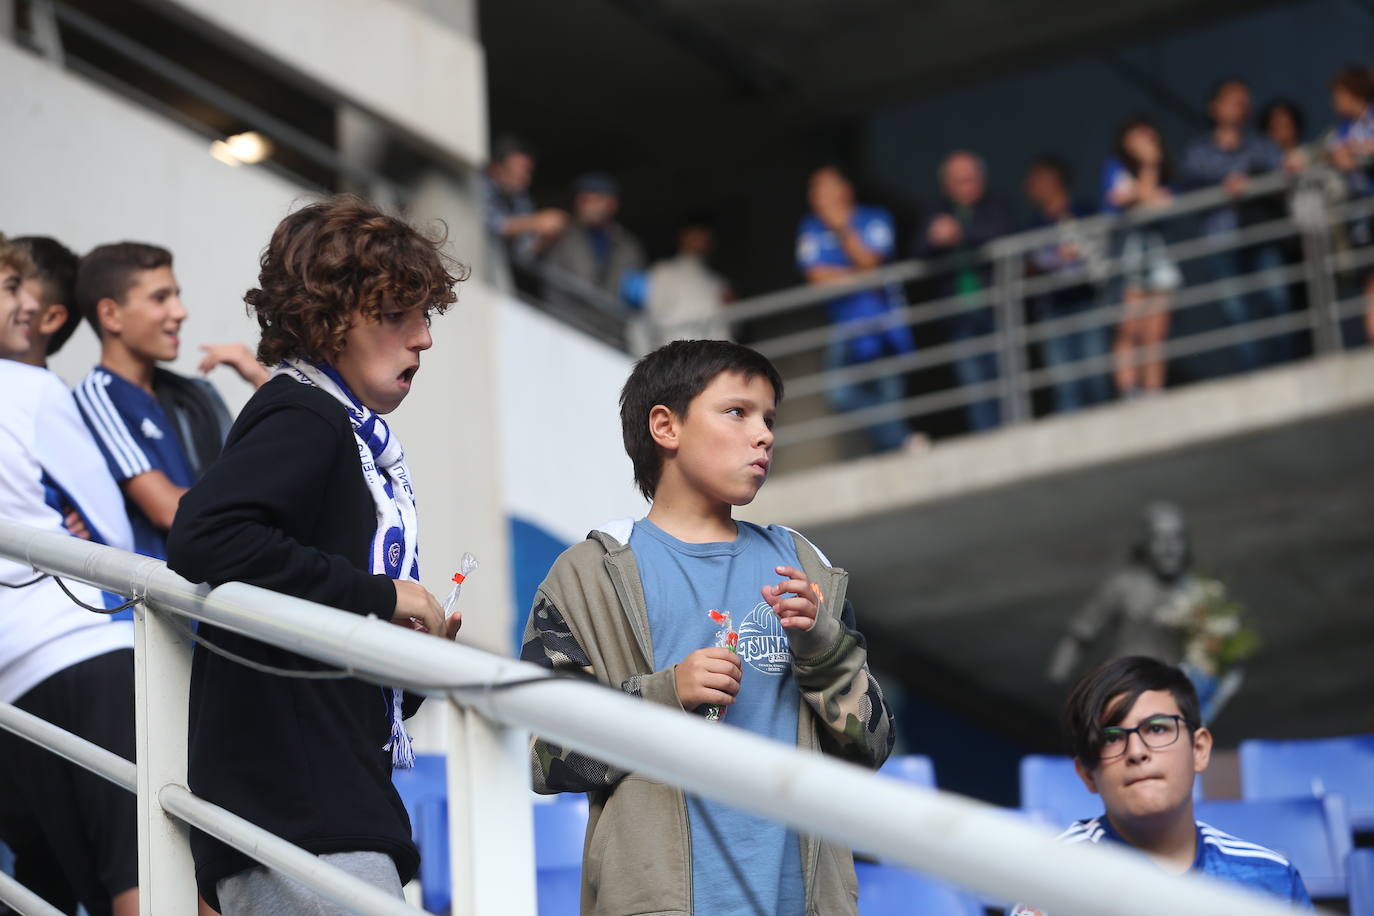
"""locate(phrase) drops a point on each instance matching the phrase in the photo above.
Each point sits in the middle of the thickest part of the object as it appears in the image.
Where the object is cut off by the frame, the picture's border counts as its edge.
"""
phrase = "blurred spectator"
(1228, 156)
(1283, 123)
(594, 250)
(685, 297)
(966, 219)
(53, 284)
(1047, 186)
(516, 231)
(1349, 146)
(837, 240)
(1137, 178)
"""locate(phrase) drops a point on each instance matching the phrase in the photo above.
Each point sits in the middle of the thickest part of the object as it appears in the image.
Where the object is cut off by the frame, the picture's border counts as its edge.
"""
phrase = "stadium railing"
(1316, 270)
(492, 704)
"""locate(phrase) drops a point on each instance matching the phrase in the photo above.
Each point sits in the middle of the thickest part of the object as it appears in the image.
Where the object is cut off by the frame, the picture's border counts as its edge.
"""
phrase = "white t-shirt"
(41, 433)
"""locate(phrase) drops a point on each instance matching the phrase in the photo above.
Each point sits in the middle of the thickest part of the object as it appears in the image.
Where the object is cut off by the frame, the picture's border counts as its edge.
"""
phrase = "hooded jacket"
(590, 615)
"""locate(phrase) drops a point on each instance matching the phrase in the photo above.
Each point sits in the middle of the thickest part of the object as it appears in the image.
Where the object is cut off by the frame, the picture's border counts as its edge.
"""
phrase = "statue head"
(1163, 543)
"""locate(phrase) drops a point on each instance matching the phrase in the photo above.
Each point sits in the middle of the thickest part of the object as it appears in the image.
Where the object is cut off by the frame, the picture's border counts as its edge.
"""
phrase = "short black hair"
(109, 272)
(56, 264)
(1273, 107)
(1356, 80)
(508, 145)
(673, 375)
(1089, 707)
(1223, 84)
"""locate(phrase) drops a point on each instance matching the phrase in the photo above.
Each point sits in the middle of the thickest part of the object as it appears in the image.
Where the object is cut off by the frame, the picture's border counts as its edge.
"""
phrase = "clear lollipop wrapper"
(465, 568)
(726, 638)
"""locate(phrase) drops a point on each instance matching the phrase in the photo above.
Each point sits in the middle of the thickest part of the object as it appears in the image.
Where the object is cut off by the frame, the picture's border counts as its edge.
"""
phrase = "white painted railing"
(493, 703)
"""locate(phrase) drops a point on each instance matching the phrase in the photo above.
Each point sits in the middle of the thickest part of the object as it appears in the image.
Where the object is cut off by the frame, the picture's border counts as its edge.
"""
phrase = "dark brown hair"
(1358, 81)
(56, 265)
(109, 272)
(672, 376)
(1089, 708)
(330, 258)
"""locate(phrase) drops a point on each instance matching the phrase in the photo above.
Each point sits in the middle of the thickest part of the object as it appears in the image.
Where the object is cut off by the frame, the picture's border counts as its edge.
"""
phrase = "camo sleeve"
(856, 723)
(550, 642)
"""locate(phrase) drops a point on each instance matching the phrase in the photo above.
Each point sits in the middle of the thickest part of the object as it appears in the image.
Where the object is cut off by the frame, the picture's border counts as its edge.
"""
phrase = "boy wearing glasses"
(1138, 741)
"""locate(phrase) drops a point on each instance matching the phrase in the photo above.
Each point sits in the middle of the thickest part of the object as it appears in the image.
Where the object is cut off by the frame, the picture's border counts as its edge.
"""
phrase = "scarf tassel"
(400, 745)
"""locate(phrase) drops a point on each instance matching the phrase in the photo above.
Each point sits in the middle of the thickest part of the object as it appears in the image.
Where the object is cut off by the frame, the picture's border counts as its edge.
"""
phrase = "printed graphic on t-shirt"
(763, 642)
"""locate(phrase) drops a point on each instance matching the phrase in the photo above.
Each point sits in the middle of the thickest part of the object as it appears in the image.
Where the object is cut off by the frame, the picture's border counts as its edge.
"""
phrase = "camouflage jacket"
(590, 616)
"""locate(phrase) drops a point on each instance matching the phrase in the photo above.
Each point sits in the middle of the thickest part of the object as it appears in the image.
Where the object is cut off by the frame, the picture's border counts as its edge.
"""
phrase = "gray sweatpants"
(263, 892)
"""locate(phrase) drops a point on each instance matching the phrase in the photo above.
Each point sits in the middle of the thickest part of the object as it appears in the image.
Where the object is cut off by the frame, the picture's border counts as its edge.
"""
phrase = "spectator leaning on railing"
(595, 248)
(1349, 146)
(966, 219)
(517, 233)
(837, 240)
(1229, 155)
(1137, 177)
(1047, 187)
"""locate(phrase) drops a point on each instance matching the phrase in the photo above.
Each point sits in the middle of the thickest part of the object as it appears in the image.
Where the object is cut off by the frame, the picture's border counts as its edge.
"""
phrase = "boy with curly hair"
(311, 497)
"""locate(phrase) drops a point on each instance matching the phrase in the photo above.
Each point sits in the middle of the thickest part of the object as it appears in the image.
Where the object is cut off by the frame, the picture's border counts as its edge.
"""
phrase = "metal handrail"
(961, 840)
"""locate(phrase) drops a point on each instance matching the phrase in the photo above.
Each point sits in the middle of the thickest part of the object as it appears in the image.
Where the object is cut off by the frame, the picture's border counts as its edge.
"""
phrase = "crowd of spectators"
(590, 258)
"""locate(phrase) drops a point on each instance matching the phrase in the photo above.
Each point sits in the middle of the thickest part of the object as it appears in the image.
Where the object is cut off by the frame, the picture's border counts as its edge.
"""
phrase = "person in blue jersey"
(837, 240)
(158, 430)
(73, 833)
(1138, 742)
(641, 606)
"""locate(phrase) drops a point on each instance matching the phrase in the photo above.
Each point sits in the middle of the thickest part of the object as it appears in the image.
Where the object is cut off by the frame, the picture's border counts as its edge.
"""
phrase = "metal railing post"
(1008, 270)
(162, 678)
(490, 822)
(1314, 219)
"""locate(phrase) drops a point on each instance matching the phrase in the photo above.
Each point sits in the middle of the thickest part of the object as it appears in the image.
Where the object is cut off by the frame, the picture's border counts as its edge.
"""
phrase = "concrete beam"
(1126, 430)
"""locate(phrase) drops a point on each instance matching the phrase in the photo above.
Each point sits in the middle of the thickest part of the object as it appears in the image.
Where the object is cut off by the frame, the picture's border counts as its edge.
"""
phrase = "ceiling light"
(249, 148)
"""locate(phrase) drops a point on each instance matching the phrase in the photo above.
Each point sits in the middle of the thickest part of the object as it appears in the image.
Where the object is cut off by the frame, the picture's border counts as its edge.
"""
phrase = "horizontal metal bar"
(63, 743)
(279, 855)
(955, 838)
(24, 901)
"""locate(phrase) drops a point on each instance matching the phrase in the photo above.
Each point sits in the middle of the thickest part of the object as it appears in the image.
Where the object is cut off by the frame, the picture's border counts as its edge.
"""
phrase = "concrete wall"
(389, 57)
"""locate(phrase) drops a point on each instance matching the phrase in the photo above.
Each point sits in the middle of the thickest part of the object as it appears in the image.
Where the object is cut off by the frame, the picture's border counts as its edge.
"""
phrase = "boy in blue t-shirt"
(157, 430)
(1138, 741)
(632, 605)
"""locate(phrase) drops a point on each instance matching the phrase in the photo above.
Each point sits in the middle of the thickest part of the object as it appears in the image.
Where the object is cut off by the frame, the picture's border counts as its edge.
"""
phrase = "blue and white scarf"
(394, 550)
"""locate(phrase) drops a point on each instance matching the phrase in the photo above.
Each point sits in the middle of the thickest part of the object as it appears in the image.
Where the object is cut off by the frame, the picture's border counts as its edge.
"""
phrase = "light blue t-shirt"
(741, 864)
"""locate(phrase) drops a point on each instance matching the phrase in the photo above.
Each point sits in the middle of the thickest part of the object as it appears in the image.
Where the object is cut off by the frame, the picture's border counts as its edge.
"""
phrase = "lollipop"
(728, 638)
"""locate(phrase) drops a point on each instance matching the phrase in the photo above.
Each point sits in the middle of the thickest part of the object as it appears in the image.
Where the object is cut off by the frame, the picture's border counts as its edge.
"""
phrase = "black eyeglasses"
(1155, 732)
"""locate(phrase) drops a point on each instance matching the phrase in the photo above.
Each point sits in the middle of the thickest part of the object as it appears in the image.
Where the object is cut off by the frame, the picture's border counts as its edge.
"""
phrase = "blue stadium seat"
(558, 831)
(1287, 769)
(424, 781)
(1312, 833)
(916, 769)
(886, 890)
(1051, 791)
(1360, 868)
(1052, 794)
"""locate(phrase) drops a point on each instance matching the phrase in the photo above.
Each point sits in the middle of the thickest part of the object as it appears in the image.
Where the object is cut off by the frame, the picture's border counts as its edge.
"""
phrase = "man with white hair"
(966, 219)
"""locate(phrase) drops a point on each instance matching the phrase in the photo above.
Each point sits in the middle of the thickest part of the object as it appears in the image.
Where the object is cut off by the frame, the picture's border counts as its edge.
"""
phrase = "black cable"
(33, 581)
(328, 674)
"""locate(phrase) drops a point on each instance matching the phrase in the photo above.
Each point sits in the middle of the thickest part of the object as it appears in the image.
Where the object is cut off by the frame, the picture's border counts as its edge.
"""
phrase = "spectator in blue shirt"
(1138, 741)
(1047, 187)
(966, 219)
(157, 430)
(1349, 146)
(1229, 156)
(837, 240)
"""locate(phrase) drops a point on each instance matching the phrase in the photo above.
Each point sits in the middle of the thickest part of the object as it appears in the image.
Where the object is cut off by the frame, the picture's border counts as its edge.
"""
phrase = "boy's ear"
(1202, 749)
(107, 310)
(1086, 775)
(663, 427)
(54, 316)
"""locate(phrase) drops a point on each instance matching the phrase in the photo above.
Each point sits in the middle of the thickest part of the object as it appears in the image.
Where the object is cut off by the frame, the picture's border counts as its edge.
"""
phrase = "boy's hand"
(418, 609)
(707, 676)
(799, 610)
